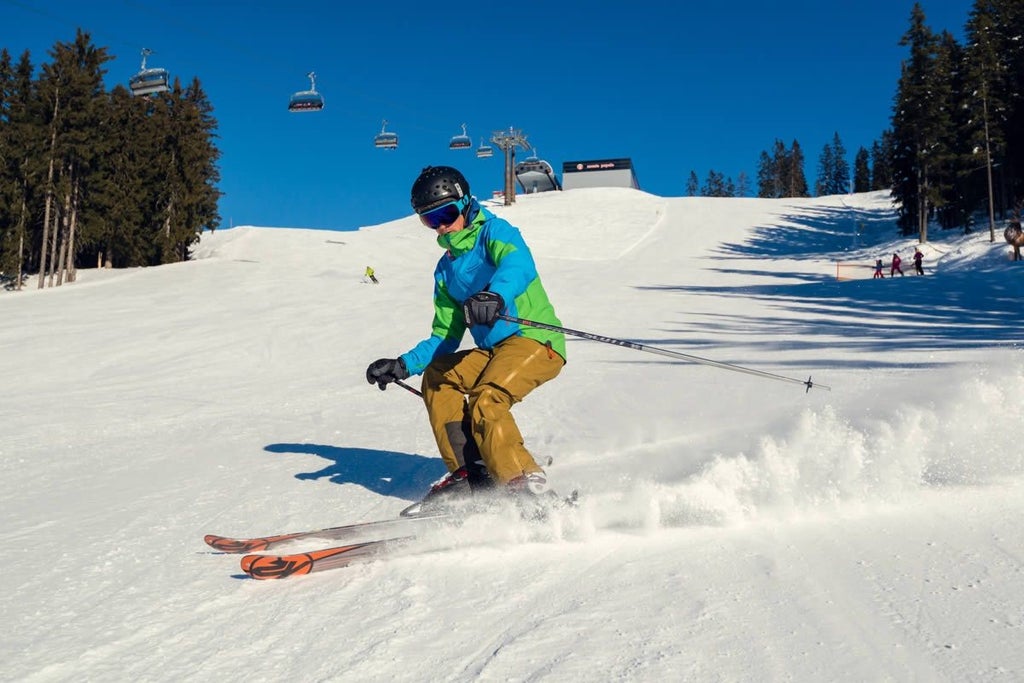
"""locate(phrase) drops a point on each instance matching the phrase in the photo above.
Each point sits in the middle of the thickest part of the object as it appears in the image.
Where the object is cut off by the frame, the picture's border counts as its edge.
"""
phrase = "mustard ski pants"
(469, 397)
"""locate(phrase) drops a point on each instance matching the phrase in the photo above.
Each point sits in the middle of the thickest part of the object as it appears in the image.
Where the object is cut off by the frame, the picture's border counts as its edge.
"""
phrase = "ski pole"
(408, 388)
(664, 352)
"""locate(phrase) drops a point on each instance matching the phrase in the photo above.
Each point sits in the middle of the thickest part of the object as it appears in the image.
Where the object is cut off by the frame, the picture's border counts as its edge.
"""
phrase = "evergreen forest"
(955, 148)
(90, 177)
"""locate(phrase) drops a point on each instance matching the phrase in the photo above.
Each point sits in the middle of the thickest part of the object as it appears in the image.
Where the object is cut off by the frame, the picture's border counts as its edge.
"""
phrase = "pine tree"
(861, 171)
(187, 200)
(1005, 80)
(21, 168)
(920, 122)
(797, 179)
(950, 154)
(71, 87)
(8, 236)
(826, 169)
(985, 105)
(122, 188)
(742, 185)
(1011, 18)
(767, 181)
(881, 162)
(833, 169)
(714, 185)
(783, 165)
(692, 184)
(781, 174)
(840, 180)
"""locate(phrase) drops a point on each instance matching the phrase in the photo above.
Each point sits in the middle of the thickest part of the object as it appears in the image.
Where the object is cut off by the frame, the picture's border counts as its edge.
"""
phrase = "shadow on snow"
(958, 310)
(388, 473)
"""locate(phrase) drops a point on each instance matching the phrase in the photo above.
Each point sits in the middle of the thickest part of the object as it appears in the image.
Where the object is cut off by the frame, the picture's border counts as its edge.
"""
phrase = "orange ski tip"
(283, 566)
(247, 562)
(276, 567)
(236, 545)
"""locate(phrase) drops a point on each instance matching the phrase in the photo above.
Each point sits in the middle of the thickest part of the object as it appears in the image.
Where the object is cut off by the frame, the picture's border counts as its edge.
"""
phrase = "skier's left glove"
(386, 370)
(483, 308)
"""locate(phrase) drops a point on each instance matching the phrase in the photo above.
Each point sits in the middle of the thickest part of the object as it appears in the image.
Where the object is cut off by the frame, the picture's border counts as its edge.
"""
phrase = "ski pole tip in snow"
(811, 385)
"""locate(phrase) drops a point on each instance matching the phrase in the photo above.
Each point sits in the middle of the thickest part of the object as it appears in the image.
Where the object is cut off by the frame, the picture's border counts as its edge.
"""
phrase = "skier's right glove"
(386, 370)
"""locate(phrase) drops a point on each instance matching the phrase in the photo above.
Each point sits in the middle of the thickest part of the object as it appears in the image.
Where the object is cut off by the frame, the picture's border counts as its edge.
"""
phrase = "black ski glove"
(386, 370)
(483, 308)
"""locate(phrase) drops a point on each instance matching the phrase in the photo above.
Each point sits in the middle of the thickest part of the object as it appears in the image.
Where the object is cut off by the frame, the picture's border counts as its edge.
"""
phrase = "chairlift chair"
(484, 151)
(460, 141)
(307, 100)
(385, 139)
(149, 81)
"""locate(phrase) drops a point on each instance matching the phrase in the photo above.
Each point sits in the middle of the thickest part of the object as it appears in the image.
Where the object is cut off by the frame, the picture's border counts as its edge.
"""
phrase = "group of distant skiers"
(894, 265)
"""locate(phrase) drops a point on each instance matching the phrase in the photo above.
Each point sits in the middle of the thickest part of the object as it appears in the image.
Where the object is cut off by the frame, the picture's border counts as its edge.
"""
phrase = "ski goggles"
(446, 214)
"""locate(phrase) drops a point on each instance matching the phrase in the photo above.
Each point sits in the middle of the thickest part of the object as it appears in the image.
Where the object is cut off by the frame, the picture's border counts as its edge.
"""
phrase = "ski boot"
(454, 487)
(534, 498)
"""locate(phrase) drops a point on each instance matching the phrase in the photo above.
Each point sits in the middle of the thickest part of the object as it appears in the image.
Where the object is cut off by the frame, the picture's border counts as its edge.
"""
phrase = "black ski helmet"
(437, 185)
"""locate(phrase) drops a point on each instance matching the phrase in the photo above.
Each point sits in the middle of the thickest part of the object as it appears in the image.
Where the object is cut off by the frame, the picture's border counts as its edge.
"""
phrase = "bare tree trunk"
(21, 260)
(60, 231)
(922, 205)
(167, 219)
(73, 223)
(60, 258)
(21, 236)
(49, 191)
(52, 266)
(46, 223)
(988, 165)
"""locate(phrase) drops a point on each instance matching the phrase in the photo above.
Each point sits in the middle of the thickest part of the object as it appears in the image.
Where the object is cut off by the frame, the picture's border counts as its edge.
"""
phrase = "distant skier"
(918, 258)
(895, 267)
(878, 270)
(486, 270)
(369, 274)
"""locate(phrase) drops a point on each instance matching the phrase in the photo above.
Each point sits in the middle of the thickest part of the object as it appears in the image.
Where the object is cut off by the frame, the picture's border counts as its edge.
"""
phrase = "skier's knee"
(488, 403)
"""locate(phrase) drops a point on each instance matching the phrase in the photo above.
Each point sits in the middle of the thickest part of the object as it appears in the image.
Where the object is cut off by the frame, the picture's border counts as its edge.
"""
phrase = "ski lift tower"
(507, 141)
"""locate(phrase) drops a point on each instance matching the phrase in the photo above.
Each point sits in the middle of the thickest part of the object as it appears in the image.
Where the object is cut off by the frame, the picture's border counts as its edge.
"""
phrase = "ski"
(382, 527)
(299, 564)
(262, 566)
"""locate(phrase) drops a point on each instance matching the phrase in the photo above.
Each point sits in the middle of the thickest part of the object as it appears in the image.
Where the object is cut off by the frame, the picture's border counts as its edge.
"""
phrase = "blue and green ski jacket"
(489, 254)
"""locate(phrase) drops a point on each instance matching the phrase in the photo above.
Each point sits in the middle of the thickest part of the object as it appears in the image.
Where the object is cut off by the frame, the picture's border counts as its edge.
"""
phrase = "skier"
(918, 257)
(486, 270)
(895, 266)
(878, 270)
(369, 274)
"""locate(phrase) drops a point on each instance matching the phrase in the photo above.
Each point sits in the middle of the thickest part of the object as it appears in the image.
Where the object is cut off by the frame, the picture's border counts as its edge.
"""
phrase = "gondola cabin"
(149, 81)
(385, 139)
(484, 151)
(460, 141)
(307, 100)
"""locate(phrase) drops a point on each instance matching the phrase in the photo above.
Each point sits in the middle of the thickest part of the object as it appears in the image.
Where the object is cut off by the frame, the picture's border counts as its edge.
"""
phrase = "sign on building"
(599, 173)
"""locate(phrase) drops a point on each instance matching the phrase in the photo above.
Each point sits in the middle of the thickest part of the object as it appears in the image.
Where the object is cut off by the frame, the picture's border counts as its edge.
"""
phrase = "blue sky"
(675, 86)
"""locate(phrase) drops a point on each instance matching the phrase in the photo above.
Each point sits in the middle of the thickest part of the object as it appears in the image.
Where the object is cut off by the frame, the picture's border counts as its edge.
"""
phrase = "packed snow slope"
(733, 528)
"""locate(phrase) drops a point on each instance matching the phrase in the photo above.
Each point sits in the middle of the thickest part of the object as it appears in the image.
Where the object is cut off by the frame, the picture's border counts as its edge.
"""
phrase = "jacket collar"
(458, 243)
